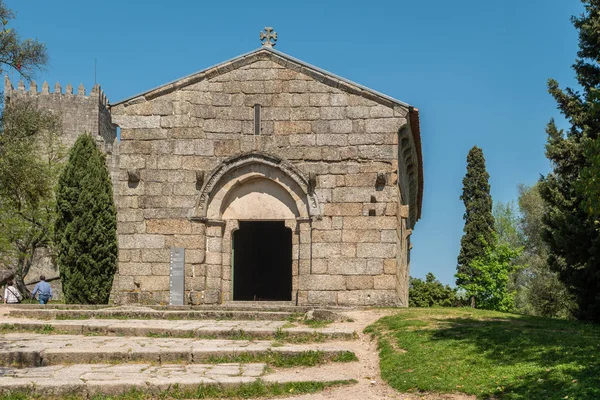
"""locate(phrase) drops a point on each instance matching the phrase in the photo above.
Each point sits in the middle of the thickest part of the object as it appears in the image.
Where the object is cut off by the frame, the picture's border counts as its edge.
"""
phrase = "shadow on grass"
(549, 359)
(488, 354)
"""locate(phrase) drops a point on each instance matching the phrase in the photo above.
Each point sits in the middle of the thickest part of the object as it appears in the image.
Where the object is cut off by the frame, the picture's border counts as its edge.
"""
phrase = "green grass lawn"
(489, 354)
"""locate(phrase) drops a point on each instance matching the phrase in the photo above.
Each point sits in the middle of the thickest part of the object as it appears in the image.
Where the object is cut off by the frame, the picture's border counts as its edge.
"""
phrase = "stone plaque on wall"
(177, 274)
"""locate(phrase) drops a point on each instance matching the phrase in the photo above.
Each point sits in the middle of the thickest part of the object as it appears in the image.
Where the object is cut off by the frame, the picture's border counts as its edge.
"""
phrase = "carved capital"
(403, 211)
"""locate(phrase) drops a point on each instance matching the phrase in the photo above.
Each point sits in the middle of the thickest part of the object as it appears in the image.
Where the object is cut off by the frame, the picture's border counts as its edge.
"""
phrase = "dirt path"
(370, 385)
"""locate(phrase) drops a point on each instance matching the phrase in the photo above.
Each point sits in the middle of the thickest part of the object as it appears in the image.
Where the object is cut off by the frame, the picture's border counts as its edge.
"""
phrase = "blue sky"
(477, 71)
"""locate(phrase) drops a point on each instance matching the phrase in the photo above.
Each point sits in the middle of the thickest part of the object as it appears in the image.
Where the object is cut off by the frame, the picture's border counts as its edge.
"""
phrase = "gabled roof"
(318, 74)
(267, 53)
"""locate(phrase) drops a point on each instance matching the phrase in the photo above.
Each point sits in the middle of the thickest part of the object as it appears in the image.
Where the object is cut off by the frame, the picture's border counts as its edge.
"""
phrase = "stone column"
(214, 261)
(403, 258)
(293, 226)
(303, 255)
(226, 267)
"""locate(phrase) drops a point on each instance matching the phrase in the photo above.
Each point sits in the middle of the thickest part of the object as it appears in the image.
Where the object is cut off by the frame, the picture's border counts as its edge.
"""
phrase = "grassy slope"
(489, 354)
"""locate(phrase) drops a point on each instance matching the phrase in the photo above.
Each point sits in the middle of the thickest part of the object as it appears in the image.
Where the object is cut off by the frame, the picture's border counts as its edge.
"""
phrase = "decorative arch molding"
(259, 164)
(409, 173)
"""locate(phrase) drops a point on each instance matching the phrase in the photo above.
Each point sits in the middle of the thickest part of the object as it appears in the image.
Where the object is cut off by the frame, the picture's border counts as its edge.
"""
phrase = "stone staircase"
(236, 313)
(62, 351)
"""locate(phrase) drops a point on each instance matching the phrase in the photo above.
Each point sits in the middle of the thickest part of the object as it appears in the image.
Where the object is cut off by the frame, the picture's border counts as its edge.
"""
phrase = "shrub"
(85, 229)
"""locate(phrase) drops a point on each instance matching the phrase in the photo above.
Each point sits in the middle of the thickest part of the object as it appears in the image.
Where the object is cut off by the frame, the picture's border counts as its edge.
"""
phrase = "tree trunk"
(23, 266)
(20, 284)
(472, 301)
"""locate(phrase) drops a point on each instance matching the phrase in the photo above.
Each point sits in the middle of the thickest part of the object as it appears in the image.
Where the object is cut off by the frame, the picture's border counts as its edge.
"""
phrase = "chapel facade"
(280, 181)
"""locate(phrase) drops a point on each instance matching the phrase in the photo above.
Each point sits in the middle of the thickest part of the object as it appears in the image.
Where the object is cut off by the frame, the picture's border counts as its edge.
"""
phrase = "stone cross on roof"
(269, 35)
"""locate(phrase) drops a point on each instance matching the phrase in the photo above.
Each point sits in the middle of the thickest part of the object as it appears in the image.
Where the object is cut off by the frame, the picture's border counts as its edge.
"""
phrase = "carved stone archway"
(254, 165)
(289, 196)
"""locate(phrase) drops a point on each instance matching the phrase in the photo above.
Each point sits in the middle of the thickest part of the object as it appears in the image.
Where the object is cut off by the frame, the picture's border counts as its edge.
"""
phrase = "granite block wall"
(349, 249)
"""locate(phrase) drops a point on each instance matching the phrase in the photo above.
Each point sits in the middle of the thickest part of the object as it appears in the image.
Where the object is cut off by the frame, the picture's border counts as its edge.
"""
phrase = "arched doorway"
(256, 210)
(261, 247)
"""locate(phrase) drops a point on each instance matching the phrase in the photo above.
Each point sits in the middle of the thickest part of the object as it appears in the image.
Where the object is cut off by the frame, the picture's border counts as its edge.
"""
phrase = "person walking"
(43, 290)
(11, 293)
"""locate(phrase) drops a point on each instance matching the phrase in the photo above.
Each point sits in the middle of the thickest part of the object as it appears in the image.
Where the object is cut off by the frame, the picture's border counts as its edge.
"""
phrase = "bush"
(431, 293)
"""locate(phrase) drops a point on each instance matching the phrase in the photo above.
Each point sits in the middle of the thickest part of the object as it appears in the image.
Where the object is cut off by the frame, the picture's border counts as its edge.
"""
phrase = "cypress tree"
(479, 234)
(570, 231)
(85, 229)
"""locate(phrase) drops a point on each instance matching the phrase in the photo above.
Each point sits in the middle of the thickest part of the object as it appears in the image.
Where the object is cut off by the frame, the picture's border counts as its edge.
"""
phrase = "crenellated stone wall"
(79, 112)
(333, 146)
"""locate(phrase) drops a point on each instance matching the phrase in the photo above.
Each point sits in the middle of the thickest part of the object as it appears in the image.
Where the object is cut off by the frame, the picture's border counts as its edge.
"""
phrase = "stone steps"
(284, 306)
(91, 379)
(59, 357)
(35, 350)
(153, 314)
(230, 329)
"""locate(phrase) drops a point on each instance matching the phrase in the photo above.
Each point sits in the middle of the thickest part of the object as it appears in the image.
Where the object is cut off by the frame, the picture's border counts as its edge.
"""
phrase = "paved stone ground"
(114, 379)
(33, 350)
(216, 328)
(128, 312)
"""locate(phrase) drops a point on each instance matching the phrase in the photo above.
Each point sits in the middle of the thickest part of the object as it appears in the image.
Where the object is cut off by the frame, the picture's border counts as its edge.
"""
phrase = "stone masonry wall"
(79, 112)
(350, 142)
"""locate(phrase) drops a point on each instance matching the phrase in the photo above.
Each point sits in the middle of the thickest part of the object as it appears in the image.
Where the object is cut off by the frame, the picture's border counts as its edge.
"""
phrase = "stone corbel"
(133, 175)
(381, 179)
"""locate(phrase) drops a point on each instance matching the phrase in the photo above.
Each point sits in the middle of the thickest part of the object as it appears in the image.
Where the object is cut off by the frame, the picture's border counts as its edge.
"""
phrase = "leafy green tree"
(30, 161)
(18, 240)
(86, 222)
(509, 234)
(24, 55)
(539, 291)
(490, 284)
(430, 293)
(506, 225)
(571, 231)
(479, 221)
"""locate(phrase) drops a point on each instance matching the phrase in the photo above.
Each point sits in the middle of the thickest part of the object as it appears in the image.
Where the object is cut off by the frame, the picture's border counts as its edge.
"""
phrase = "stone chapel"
(279, 180)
